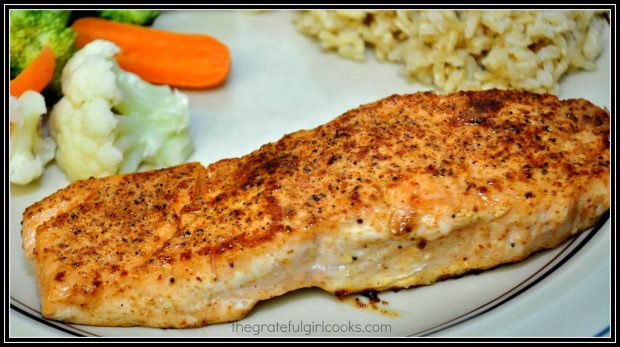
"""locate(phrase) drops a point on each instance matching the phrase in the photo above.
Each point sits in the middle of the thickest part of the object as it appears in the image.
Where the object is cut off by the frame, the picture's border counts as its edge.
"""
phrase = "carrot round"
(36, 75)
(159, 56)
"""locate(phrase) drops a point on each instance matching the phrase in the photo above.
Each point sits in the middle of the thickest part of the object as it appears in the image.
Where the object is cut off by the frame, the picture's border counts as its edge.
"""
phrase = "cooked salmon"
(401, 192)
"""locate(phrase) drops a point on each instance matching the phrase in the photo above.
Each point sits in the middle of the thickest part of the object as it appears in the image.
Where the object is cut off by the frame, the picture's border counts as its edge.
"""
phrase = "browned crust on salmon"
(407, 166)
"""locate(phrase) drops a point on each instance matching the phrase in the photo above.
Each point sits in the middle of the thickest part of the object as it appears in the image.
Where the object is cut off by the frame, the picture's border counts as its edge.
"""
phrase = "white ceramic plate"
(282, 82)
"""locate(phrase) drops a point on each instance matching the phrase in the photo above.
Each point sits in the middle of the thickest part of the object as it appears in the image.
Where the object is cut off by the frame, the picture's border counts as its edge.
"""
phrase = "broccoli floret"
(31, 30)
(139, 17)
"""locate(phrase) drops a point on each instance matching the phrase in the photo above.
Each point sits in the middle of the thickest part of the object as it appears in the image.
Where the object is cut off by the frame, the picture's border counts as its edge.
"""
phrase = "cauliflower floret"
(88, 74)
(28, 150)
(111, 121)
(85, 136)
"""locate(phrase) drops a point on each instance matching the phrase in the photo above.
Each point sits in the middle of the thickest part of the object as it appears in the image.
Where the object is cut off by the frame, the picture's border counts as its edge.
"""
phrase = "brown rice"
(467, 50)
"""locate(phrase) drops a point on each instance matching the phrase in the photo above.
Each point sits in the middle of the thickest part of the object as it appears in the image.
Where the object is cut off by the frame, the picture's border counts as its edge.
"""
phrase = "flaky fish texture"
(401, 192)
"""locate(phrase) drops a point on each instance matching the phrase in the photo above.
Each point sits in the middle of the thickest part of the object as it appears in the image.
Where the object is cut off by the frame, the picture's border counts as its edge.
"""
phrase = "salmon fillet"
(401, 192)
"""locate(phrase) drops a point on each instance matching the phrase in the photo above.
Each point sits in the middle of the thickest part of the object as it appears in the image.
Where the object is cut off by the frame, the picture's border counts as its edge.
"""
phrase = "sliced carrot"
(159, 56)
(189, 72)
(128, 35)
(36, 75)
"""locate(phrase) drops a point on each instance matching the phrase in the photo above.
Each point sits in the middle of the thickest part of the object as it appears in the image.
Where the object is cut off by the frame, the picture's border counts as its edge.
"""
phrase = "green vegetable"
(139, 17)
(31, 30)
(110, 121)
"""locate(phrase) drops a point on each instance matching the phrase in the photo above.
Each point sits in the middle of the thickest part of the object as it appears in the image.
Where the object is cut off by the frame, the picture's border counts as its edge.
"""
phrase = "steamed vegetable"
(158, 56)
(31, 30)
(111, 121)
(28, 150)
(36, 75)
(138, 17)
